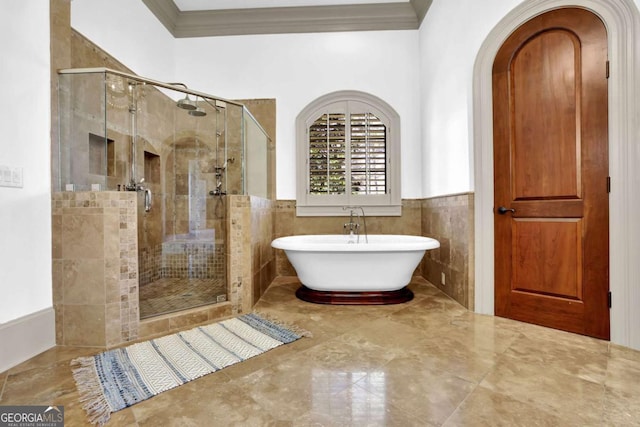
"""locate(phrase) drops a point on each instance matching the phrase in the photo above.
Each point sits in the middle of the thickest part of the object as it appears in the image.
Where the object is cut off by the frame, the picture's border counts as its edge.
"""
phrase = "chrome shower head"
(198, 111)
(187, 104)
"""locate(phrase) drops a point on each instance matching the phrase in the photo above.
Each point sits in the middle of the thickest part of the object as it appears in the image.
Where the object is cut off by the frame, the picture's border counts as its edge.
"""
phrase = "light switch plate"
(10, 176)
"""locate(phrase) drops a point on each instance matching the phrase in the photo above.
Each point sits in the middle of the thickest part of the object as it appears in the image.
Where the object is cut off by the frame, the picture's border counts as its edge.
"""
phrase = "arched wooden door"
(551, 173)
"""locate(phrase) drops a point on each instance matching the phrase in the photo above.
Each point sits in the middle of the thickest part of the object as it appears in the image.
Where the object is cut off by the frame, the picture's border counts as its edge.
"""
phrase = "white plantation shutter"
(368, 154)
(327, 154)
(348, 155)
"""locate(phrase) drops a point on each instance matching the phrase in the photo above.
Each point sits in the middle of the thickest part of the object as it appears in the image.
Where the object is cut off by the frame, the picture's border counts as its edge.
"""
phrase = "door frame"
(622, 21)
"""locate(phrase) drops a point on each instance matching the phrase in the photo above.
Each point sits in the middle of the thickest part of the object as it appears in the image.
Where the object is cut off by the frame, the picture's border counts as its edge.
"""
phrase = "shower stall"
(183, 153)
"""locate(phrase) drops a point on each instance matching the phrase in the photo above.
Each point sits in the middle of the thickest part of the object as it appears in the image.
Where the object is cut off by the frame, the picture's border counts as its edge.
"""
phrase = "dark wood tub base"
(354, 298)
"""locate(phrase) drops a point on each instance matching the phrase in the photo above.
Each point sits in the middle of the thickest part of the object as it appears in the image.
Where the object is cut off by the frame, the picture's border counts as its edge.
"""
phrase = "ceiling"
(206, 18)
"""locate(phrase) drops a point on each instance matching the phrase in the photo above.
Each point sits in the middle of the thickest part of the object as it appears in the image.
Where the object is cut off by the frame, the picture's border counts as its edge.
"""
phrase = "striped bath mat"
(116, 379)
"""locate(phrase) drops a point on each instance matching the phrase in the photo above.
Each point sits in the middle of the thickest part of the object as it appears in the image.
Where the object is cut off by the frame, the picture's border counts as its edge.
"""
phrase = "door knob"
(502, 210)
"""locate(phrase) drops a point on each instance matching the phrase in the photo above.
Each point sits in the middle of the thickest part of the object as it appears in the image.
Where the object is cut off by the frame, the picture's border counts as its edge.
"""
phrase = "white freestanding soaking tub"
(333, 269)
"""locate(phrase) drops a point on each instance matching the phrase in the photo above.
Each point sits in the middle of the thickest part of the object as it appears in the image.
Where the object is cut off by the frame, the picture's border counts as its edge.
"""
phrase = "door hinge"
(607, 69)
(608, 184)
(609, 298)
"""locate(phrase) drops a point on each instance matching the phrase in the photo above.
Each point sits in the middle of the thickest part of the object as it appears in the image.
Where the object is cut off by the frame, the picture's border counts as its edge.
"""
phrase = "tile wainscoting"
(448, 219)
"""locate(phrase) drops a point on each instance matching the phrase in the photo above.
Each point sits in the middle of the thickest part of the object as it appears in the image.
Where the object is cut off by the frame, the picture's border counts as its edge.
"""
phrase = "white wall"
(295, 69)
(128, 31)
(450, 37)
(25, 213)
(27, 320)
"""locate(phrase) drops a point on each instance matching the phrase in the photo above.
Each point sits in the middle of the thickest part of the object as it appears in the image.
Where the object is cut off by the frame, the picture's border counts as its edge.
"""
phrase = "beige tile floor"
(428, 362)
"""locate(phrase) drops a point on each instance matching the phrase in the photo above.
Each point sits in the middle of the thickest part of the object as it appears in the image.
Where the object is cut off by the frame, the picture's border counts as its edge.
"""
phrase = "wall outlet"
(442, 277)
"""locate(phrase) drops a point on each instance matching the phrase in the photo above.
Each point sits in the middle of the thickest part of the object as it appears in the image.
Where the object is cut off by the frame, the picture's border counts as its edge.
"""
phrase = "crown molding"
(279, 20)
(421, 7)
(166, 11)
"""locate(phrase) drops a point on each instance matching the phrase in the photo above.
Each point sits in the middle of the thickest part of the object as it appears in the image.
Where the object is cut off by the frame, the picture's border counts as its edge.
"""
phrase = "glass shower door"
(181, 238)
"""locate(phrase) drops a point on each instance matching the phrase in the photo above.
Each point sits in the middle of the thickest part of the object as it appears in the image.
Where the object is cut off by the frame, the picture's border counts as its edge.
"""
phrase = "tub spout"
(353, 235)
(353, 226)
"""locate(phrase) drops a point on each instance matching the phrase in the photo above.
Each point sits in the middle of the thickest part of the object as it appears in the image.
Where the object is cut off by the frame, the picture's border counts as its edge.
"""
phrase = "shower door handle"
(147, 200)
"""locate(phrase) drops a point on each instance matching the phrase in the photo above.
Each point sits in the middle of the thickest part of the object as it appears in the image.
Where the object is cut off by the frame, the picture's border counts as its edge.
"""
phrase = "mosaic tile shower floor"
(167, 295)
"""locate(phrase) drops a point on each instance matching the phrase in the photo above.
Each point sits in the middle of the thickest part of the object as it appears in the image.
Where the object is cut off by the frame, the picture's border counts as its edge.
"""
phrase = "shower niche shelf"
(101, 155)
(152, 167)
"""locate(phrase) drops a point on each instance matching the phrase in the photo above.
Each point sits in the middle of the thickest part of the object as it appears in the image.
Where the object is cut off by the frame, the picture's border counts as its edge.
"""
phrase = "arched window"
(348, 146)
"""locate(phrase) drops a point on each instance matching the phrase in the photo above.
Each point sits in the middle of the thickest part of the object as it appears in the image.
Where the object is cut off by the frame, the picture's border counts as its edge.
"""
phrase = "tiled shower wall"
(264, 110)
(182, 259)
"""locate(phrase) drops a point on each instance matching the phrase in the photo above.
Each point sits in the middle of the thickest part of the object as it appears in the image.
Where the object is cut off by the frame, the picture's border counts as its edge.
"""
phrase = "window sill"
(339, 210)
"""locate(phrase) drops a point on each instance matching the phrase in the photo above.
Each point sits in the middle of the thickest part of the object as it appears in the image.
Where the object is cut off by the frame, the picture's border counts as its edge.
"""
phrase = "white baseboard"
(26, 337)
